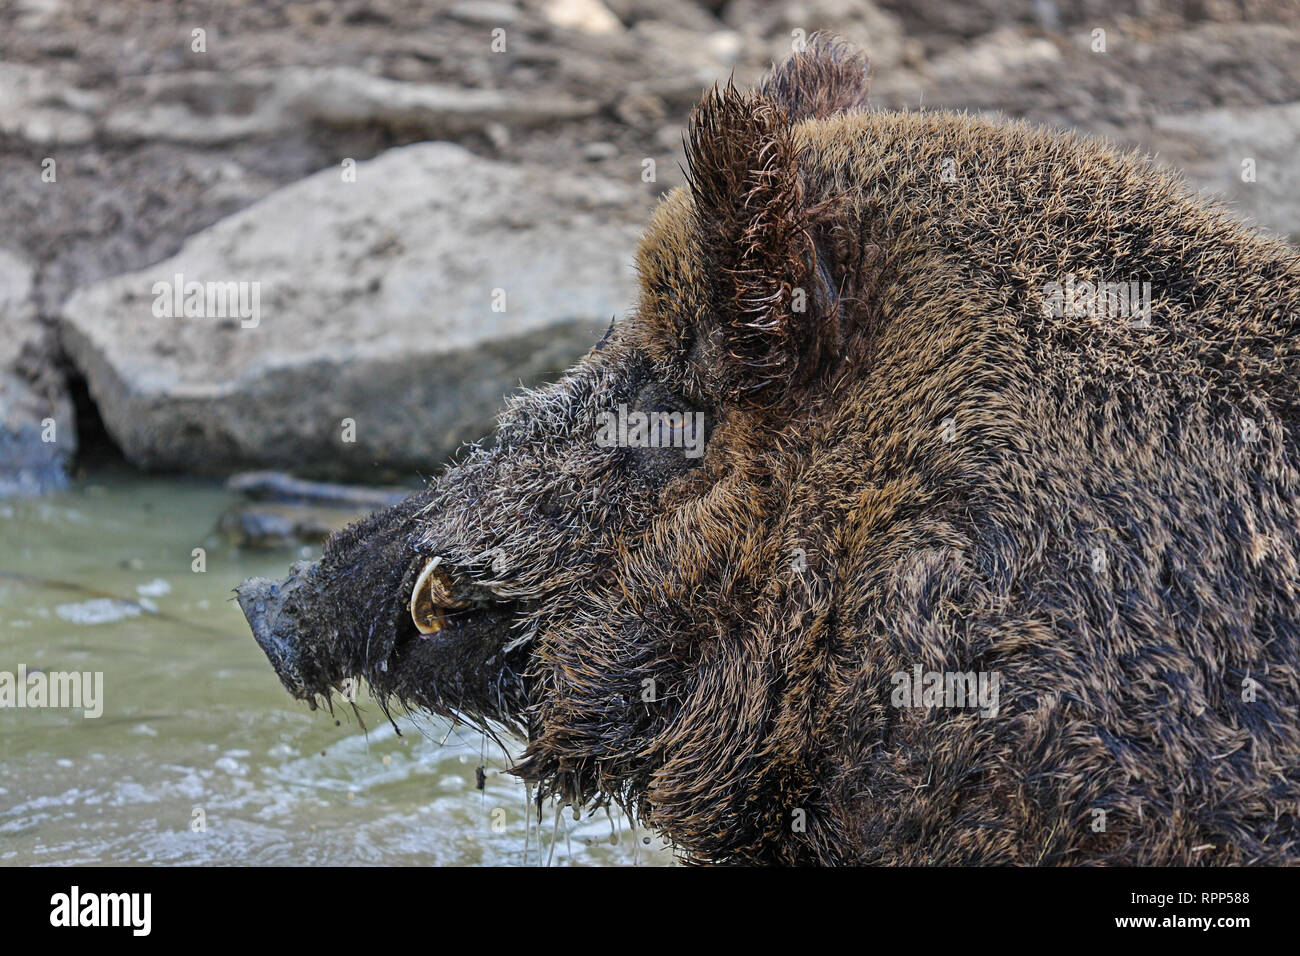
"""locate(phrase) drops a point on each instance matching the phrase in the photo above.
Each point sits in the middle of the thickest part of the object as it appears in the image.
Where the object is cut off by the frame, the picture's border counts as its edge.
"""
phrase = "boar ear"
(770, 299)
(828, 76)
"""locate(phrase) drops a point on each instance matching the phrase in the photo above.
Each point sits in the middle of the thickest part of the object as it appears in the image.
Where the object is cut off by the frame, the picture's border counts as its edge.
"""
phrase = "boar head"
(626, 608)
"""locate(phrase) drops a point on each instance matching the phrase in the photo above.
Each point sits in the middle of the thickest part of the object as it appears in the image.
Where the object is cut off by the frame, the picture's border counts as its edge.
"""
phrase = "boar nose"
(264, 603)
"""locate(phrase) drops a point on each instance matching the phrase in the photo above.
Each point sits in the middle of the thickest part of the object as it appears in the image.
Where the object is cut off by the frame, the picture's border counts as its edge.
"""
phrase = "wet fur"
(1122, 689)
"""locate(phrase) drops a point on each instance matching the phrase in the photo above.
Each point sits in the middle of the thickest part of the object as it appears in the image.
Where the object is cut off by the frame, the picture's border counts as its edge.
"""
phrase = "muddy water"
(199, 756)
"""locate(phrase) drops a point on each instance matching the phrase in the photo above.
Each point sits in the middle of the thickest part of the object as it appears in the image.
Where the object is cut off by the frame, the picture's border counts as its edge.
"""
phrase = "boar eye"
(663, 434)
(667, 428)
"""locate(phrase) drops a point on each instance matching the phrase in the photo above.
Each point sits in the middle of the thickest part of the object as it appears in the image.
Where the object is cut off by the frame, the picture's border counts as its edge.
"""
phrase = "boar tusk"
(431, 597)
(425, 614)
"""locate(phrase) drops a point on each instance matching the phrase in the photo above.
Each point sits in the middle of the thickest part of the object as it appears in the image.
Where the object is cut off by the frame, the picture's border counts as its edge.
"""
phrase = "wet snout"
(266, 604)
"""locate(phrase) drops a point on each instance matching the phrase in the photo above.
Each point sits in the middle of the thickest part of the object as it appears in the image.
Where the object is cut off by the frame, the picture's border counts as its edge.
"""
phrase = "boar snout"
(267, 607)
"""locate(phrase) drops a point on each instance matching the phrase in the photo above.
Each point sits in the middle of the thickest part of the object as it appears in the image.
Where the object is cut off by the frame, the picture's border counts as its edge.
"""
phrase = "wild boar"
(989, 552)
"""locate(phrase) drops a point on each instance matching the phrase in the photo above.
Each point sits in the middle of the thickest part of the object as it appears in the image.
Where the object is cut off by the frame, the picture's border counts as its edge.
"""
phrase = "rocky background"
(437, 201)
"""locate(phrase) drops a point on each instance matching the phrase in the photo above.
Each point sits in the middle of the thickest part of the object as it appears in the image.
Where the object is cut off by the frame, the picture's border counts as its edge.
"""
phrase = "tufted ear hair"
(828, 76)
(767, 301)
(773, 298)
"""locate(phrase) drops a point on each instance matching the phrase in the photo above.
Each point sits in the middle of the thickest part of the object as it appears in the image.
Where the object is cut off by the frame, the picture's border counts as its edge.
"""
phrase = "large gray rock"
(205, 108)
(375, 305)
(38, 435)
(40, 108)
(162, 108)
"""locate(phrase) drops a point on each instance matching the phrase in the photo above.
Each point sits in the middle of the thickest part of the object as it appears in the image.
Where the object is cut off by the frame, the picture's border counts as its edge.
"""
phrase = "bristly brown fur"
(924, 468)
(750, 217)
(774, 300)
(829, 76)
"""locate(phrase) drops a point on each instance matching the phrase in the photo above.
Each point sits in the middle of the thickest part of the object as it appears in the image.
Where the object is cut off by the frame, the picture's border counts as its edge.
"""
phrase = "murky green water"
(200, 757)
